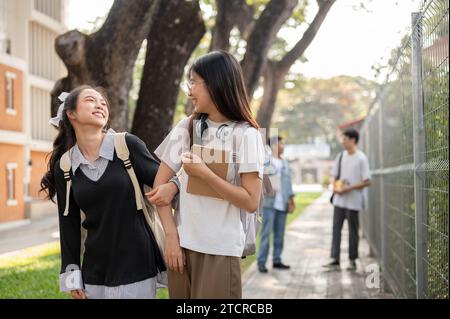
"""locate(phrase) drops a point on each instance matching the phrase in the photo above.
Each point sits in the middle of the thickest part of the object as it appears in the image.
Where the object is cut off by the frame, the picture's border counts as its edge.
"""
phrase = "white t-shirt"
(278, 204)
(354, 170)
(205, 224)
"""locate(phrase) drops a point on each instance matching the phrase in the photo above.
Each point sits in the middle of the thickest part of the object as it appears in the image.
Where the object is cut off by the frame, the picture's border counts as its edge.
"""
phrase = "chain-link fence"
(405, 137)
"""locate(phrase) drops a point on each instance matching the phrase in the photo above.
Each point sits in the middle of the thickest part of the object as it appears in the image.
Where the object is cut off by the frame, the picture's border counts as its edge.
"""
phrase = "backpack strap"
(339, 165)
(123, 153)
(150, 214)
(65, 163)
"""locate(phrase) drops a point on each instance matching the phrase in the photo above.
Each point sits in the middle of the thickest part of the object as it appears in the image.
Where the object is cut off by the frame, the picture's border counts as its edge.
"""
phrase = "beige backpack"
(149, 211)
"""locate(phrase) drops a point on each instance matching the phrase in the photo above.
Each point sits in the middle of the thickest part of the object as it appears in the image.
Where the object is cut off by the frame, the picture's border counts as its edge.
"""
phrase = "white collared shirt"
(206, 224)
(94, 170)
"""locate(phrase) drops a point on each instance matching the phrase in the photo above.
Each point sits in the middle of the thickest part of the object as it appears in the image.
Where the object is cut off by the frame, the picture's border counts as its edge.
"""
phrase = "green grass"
(162, 293)
(302, 201)
(32, 273)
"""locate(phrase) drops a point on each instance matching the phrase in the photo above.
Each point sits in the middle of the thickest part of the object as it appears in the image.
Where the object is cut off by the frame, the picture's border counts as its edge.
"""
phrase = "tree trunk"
(276, 71)
(106, 58)
(261, 38)
(273, 79)
(173, 37)
(230, 13)
(224, 24)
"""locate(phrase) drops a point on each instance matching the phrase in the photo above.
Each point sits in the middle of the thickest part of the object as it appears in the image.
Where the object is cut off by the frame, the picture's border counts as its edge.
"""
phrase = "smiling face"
(199, 95)
(92, 110)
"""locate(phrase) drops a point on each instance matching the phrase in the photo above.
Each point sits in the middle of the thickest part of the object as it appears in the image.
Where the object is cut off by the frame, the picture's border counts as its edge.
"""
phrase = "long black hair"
(65, 139)
(223, 78)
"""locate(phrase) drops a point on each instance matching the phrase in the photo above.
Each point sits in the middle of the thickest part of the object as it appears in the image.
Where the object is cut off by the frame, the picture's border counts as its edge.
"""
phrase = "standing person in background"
(276, 207)
(351, 174)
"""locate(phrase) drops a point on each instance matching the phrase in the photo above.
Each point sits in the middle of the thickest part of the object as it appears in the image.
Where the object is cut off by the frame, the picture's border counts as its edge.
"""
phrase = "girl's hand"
(193, 165)
(163, 194)
(173, 254)
(78, 294)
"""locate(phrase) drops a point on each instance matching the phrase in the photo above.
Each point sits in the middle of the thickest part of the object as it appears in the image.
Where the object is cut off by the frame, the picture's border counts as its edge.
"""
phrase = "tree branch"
(308, 36)
(276, 71)
(261, 38)
(107, 57)
(230, 13)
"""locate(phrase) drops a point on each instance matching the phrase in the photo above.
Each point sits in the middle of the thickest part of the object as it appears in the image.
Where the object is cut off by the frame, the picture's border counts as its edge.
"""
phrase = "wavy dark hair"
(65, 138)
(223, 79)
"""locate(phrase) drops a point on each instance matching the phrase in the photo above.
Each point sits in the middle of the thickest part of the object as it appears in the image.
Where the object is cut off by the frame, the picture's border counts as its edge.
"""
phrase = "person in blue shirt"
(276, 207)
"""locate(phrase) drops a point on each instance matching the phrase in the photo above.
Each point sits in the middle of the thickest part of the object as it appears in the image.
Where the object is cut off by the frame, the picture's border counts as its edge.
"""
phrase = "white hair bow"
(55, 120)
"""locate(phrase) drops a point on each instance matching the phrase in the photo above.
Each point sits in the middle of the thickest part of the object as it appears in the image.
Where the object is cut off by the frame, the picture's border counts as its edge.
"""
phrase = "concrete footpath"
(306, 248)
(37, 232)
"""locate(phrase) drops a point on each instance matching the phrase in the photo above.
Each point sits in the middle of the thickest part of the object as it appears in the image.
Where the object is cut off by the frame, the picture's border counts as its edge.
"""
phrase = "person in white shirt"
(205, 239)
(351, 174)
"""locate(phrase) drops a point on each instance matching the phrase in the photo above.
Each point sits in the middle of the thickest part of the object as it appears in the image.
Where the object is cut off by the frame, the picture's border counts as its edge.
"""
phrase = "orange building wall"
(11, 154)
(9, 121)
(38, 169)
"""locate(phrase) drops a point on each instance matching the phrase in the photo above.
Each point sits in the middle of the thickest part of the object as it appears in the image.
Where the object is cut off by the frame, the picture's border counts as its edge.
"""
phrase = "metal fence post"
(419, 149)
(382, 199)
(368, 219)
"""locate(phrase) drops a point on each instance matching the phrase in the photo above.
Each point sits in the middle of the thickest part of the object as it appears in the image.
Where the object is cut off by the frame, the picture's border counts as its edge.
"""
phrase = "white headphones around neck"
(222, 132)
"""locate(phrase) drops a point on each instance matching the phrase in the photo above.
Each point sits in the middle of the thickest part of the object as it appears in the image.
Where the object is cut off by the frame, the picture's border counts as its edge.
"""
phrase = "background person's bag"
(338, 181)
(275, 180)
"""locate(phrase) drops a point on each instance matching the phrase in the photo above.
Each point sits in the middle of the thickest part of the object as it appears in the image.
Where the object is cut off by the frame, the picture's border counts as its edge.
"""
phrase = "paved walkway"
(307, 245)
(306, 248)
(37, 232)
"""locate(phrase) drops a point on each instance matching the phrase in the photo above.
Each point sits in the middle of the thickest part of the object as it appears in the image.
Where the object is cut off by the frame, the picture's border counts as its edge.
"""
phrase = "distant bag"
(338, 174)
(275, 180)
(270, 174)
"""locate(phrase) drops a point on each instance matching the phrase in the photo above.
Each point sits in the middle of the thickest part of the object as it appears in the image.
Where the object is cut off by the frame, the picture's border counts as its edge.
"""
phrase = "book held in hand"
(217, 161)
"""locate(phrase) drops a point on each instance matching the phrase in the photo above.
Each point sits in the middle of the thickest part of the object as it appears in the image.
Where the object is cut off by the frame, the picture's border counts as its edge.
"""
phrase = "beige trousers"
(207, 277)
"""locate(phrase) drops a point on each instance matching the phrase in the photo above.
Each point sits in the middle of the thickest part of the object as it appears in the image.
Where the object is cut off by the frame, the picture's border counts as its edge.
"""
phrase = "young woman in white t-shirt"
(205, 238)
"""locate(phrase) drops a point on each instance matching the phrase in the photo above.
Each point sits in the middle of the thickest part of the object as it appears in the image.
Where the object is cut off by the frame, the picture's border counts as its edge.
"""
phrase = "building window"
(9, 80)
(8, 49)
(11, 184)
(5, 45)
(51, 8)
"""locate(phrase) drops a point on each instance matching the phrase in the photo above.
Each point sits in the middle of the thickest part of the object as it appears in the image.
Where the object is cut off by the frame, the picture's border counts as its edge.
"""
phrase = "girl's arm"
(70, 278)
(173, 254)
(146, 167)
